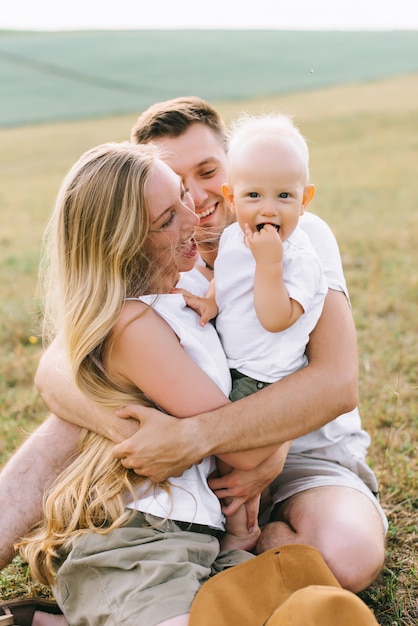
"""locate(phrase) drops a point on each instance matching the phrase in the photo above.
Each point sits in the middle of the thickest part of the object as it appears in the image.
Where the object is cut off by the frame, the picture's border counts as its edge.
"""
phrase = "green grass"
(364, 155)
(77, 75)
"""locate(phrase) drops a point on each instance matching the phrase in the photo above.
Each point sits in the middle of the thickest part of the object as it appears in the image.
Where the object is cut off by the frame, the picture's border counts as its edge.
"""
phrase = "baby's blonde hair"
(269, 129)
(95, 256)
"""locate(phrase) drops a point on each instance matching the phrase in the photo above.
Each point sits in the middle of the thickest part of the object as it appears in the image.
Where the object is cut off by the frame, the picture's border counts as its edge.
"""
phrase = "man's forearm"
(77, 409)
(54, 382)
(25, 477)
(264, 418)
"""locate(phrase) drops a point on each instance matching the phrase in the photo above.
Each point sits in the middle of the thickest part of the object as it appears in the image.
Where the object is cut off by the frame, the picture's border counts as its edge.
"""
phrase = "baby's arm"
(275, 310)
(205, 306)
(242, 527)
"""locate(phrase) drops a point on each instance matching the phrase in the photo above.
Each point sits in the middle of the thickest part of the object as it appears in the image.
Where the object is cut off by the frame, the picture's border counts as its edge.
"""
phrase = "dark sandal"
(20, 611)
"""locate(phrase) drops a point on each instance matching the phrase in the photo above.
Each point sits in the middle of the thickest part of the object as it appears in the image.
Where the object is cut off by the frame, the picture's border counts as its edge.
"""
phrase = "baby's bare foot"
(237, 542)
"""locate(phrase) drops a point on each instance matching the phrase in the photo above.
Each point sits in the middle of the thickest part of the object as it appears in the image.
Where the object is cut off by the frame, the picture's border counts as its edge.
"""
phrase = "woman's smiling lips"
(189, 248)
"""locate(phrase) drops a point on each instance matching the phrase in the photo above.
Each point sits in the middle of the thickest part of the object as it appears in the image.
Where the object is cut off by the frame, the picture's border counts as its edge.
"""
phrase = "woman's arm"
(148, 354)
(285, 410)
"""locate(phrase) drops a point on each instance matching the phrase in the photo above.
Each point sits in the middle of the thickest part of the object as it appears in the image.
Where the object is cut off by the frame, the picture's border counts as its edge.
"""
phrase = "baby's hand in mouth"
(260, 226)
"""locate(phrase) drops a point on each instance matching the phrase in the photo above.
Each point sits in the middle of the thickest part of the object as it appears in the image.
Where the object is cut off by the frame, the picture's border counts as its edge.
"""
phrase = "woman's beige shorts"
(137, 576)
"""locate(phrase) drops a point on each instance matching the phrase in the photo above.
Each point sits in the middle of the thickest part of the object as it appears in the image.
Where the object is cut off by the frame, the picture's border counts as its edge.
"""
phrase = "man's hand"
(161, 448)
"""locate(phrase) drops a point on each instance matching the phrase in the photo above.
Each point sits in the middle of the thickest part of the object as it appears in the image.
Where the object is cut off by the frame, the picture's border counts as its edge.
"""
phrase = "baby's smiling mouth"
(260, 226)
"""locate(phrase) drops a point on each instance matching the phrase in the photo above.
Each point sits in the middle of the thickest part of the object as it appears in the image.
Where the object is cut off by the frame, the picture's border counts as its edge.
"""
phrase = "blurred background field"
(50, 76)
(363, 137)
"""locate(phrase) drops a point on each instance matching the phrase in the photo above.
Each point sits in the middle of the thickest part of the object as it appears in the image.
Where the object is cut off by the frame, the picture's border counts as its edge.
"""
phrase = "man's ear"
(228, 194)
(308, 194)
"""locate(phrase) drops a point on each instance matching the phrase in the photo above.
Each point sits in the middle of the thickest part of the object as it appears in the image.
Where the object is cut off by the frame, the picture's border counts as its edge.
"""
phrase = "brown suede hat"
(325, 606)
(251, 594)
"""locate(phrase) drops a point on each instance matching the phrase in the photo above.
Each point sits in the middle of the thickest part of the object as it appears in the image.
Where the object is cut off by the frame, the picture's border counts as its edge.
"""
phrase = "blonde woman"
(115, 546)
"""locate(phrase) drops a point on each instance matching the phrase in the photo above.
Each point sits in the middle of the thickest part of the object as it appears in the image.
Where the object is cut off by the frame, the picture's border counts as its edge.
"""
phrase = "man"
(321, 497)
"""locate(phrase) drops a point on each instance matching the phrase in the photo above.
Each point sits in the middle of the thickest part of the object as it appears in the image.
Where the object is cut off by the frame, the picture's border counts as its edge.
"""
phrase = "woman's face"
(173, 222)
(198, 156)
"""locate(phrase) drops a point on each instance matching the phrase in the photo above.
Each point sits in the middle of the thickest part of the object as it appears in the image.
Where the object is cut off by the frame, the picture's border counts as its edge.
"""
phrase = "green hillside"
(48, 77)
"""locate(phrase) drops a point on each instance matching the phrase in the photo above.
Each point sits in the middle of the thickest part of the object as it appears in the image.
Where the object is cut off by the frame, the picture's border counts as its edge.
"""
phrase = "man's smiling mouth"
(206, 212)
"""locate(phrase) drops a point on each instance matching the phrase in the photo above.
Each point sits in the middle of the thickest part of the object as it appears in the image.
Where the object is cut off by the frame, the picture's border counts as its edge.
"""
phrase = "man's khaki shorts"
(341, 464)
(302, 472)
(137, 576)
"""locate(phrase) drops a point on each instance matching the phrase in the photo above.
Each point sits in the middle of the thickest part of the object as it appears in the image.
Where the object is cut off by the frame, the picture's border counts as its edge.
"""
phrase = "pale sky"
(249, 14)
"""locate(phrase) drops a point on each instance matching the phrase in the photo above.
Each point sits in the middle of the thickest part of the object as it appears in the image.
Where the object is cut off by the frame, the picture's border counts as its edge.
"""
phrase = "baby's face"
(267, 186)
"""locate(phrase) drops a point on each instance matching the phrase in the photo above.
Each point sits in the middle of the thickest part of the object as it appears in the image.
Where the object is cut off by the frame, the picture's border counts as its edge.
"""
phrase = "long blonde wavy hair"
(95, 256)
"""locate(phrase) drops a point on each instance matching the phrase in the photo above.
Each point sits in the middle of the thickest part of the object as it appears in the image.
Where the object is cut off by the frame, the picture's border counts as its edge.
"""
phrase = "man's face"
(199, 158)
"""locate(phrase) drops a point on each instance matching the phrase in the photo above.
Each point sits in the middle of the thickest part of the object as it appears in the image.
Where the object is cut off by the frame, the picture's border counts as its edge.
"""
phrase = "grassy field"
(78, 75)
(364, 155)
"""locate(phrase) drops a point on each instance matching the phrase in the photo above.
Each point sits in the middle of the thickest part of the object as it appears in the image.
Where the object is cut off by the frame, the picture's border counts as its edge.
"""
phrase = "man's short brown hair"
(173, 117)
